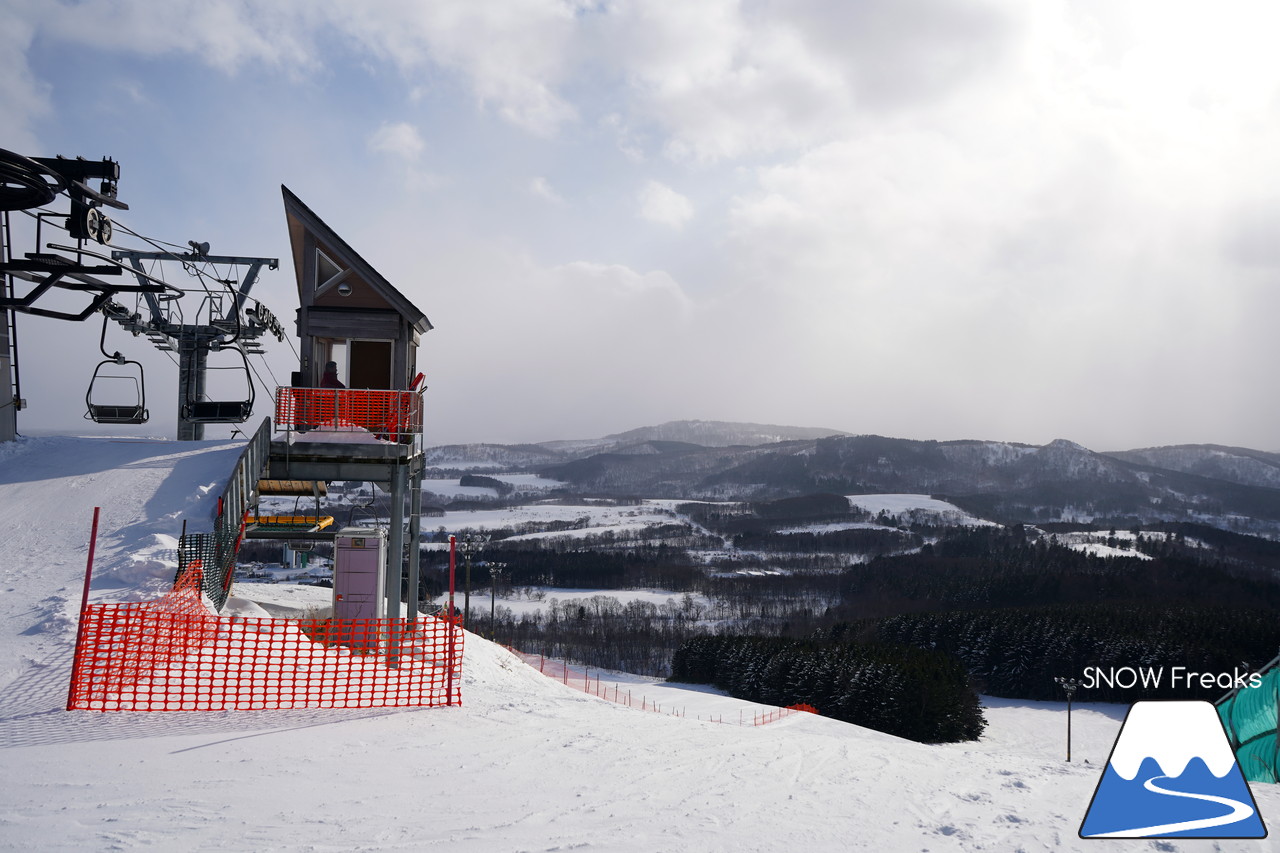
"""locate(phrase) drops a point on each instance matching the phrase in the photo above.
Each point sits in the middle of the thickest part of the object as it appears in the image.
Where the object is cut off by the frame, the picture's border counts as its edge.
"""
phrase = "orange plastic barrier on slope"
(173, 654)
(582, 680)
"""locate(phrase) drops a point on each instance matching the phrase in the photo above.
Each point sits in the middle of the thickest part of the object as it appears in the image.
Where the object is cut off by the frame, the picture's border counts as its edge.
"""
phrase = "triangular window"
(326, 269)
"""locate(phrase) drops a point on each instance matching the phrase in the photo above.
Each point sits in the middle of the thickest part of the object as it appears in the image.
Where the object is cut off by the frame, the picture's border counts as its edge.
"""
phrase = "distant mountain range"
(1234, 488)
(695, 433)
(721, 433)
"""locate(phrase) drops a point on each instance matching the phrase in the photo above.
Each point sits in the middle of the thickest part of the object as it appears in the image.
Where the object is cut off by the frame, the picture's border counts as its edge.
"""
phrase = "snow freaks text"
(1175, 677)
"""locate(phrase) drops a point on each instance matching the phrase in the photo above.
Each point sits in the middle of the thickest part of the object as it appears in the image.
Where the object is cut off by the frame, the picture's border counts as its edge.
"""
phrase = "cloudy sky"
(920, 218)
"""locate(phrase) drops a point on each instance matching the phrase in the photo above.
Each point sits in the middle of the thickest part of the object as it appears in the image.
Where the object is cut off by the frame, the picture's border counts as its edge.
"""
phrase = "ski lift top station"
(369, 429)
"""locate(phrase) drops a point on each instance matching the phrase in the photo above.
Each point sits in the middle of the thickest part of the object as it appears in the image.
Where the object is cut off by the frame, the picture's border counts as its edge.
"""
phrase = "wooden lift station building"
(368, 426)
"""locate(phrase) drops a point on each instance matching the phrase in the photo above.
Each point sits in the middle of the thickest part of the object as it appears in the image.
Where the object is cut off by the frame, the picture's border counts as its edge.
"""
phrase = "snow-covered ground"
(921, 506)
(452, 488)
(530, 600)
(591, 518)
(1114, 543)
(526, 764)
(832, 527)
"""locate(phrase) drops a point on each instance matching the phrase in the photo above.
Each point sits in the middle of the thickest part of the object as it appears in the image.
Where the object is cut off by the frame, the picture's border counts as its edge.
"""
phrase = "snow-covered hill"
(720, 433)
(1233, 464)
(525, 764)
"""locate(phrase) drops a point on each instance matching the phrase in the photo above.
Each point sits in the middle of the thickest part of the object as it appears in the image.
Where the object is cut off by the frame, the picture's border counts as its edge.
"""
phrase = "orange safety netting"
(634, 698)
(393, 415)
(173, 654)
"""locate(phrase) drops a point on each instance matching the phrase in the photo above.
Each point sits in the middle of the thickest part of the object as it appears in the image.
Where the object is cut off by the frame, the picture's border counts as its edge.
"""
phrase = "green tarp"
(1250, 718)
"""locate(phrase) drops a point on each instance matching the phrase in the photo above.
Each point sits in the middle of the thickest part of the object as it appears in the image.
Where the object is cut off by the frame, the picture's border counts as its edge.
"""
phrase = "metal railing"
(215, 552)
(354, 413)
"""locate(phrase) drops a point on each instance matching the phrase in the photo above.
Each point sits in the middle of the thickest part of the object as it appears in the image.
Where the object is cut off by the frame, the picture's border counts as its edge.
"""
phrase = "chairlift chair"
(118, 413)
(217, 411)
(134, 412)
(221, 411)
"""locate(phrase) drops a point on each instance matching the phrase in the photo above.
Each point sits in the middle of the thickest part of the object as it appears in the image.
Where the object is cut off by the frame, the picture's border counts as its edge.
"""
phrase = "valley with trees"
(853, 572)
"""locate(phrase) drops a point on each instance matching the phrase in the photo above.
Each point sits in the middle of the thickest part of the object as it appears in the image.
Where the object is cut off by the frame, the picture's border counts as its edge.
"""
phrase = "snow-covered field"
(526, 764)
(453, 489)
(1114, 543)
(921, 506)
(590, 518)
(534, 599)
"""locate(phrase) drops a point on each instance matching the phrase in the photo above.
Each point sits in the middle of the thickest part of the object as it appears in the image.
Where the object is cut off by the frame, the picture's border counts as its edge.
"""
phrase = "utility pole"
(1069, 685)
(495, 575)
(469, 544)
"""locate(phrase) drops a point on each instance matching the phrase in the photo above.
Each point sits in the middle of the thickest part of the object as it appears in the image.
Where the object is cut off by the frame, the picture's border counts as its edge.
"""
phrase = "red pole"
(448, 699)
(453, 566)
(84, 605)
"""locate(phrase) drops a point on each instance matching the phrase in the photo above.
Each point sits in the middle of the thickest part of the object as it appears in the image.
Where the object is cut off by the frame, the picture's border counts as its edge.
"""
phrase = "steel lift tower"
(230, 325)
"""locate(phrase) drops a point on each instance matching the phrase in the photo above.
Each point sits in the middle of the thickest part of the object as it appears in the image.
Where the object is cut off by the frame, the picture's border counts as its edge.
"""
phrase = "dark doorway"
(370, 364)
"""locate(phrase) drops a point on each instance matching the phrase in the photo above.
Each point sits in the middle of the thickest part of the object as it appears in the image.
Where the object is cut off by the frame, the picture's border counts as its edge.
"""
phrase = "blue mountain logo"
(1172, 775)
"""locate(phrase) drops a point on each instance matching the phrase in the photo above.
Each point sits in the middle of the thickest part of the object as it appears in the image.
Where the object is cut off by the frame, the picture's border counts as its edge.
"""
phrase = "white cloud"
(1073, 242)
(520, 348)
(23, 98)
(715, 82)
(398, 139)
(663, 205)
(704, 81)
(654, 294)
(514, 53)
(627, 140)
(724, 79)
(227, 35)
(542, 188)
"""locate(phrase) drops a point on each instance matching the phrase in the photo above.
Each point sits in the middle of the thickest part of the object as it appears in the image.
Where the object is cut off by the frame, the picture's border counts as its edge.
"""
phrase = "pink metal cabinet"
(359, 573)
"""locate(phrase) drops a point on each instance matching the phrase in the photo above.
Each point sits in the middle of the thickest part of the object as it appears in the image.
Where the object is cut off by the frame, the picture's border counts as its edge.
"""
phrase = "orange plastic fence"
(582, 680)
(173, 654)
(392, 415)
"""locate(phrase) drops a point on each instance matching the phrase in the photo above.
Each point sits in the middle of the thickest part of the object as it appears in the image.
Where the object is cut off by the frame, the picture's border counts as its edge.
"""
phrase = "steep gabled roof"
(302, 221)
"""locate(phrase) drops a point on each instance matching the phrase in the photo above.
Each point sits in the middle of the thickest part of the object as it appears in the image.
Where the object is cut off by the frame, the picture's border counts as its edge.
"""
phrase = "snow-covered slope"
(48, 489)
(525, 764)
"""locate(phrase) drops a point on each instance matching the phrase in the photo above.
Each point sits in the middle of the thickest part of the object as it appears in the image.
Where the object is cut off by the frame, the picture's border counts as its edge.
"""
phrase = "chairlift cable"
(156, 245)
(275, 383)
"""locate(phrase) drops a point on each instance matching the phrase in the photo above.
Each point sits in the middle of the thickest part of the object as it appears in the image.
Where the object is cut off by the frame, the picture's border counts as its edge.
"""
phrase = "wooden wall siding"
(299, 239)
(355, 323)
(361, 296)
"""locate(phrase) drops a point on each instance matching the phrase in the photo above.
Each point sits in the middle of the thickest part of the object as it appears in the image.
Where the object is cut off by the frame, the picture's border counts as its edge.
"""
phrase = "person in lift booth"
(313, 411)
(330, 378)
